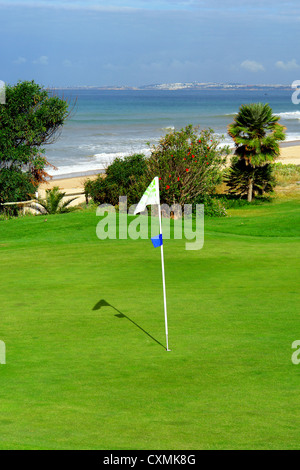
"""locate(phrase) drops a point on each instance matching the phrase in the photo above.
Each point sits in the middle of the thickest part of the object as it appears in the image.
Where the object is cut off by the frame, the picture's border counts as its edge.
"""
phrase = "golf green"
(83, 324)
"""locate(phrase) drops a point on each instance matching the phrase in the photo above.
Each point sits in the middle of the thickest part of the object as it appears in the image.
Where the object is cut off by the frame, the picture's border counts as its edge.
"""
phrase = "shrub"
(214, 207)
(188, 163)
(124, 177)
(53, 204)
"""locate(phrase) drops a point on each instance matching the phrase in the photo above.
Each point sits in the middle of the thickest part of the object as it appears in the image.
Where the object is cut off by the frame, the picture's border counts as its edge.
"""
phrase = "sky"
(137, 42)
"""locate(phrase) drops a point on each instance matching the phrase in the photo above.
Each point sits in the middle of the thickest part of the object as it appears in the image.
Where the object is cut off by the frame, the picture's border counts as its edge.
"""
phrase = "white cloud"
(43, 60)
(290, 65)
(20, 61)
(252, 66)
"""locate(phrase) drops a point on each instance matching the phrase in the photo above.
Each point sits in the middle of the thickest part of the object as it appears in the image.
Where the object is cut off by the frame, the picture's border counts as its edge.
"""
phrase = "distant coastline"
(182, 86)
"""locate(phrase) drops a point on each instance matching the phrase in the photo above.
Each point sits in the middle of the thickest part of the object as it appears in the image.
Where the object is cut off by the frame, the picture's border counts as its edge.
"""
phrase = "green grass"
(78, 377)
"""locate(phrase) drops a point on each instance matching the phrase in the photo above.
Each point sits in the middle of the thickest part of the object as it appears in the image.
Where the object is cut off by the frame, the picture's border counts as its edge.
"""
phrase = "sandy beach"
(290, 154)
(73, 186)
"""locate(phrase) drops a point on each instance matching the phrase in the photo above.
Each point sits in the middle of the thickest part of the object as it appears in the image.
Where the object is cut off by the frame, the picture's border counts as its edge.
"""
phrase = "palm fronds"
(53, 204)
(256, 133)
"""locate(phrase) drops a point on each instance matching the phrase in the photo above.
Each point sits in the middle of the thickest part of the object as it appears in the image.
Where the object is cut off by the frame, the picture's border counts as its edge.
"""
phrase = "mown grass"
(83, 377)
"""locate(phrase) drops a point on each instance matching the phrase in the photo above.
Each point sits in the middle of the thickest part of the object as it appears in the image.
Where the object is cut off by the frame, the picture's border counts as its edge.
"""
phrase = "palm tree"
(256, 133)
(53, 202)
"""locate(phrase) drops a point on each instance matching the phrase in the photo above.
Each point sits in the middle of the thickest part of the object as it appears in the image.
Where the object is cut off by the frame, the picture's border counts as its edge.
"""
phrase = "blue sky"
(136, 42)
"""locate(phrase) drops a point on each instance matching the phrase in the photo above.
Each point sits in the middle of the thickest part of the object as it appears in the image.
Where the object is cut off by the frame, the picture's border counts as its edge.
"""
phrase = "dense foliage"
(15, 185)
(124, 177)
(188, 163)
(30, 119)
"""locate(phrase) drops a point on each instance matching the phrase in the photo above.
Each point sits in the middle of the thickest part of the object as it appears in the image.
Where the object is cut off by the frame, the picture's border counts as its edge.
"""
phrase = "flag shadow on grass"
(103, 303)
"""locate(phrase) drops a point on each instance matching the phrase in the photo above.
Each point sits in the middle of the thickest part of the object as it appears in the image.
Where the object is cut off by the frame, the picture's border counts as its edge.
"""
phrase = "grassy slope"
(77, 377)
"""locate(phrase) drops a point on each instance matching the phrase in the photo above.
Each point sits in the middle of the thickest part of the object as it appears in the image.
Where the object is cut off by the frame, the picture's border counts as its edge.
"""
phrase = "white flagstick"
(163, 269)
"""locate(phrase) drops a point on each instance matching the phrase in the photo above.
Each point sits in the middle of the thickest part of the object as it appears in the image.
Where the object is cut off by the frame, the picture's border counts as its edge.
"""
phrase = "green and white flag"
(150, 196)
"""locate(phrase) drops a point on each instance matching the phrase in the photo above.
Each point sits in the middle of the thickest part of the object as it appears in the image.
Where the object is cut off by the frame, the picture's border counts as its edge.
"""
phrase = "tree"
(237, 178)
(30, 119)
(188, 163)
(53, 203)
(256, 133)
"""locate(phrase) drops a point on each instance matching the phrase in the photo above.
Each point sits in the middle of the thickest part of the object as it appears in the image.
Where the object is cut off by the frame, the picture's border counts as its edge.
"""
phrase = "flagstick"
(163, 277)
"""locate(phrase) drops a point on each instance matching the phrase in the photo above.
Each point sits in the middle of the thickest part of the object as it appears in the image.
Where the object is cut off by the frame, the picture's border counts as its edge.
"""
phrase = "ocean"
(107, 124)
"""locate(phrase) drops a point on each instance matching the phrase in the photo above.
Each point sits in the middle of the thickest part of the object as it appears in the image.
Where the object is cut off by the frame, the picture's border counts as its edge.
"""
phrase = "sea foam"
(289, 115)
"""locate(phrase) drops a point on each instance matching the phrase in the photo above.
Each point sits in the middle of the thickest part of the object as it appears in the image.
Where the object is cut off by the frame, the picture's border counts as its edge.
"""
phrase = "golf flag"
(150, 196)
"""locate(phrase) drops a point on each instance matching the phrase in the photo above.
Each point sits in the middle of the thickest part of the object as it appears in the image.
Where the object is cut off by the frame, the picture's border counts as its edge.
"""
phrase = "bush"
(53, 203)
(214, 207)
(189, 165)
(124, 177)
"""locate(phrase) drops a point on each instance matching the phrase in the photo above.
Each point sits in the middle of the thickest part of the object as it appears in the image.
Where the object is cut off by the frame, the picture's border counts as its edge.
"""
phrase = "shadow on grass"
(103, 303)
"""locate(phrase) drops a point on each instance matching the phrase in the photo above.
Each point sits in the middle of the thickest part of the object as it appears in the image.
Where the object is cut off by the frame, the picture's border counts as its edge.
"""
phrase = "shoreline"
(73, 182)
(78, 174)
(290, 143)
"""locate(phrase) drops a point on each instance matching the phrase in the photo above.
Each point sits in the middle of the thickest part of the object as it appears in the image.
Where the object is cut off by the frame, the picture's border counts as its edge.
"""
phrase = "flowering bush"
(188, 163)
